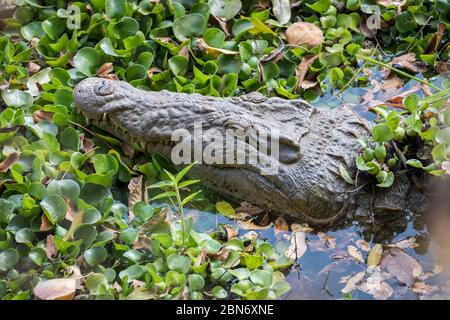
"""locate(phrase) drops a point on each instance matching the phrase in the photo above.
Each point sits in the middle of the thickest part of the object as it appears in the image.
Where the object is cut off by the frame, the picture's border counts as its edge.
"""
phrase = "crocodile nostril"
(104, 88)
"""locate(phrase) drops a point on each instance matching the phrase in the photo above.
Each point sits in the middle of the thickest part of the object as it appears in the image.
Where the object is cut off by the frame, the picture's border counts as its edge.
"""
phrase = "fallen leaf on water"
(378, 290)
(251, 235)
(423, 288)
(353, 282)
(355, 253)
(301, 227)
(408, 62)
(248, 225)
(329, 241)
(55, 289)
(9, 161)
(374, 257)
(401, 265)
(392, 83)
(405, 244)
(281, 225)
(304, 33)
(135, 188)
(298, 246)
(363, 245)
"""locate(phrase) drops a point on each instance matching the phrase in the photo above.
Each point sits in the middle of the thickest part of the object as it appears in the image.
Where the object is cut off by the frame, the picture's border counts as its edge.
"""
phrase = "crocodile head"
(312, 145)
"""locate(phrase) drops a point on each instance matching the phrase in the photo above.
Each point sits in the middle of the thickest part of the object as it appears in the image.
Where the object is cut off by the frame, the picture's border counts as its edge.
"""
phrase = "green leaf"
(179, 263)
(190, 25)
(65, 188)
(54, 27)
(261, 278)
(443, 136)
(225, 9)
(405, 22)
(54, 207)
(87, 60)
(219, 292)
(178, 65)
(95, 256)
(70, 138)
(115, 9)
(225, 209)
(345, 174)
(388, 182)
(17, 99)
(105, 164)
(382, 133)
(196, 282)
(8, 259)
(320, 6)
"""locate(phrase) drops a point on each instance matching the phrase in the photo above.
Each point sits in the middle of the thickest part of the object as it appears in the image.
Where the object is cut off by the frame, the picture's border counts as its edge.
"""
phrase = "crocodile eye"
(104, 88)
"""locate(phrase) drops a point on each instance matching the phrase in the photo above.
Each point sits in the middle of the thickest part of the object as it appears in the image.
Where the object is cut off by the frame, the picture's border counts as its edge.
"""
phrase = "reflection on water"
(321, 269)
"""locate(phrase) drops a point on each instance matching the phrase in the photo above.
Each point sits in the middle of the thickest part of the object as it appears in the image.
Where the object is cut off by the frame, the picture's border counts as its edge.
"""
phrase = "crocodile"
(313, 145)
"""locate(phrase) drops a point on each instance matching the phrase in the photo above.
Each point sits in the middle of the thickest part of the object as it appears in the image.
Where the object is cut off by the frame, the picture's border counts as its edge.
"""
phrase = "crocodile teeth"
(105, 117)
(88, 121)
(142, 144)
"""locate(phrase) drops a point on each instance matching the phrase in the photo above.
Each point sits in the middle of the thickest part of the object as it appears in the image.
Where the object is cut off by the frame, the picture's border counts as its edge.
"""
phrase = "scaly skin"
(313, 144)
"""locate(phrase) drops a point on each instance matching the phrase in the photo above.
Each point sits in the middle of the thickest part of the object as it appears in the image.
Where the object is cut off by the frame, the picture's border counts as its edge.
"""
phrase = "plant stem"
(405, 74)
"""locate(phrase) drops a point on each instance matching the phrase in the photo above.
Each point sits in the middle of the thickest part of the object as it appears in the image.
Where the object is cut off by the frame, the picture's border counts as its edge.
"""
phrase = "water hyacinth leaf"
(219, 292)
(32, 30)
(115, 9)
(443, 136)
(282, 10)
(261, 278)
(68, 189)
(87, 60)
(95, 255)
(382, 133)
(320, 6)
(54, 207)
(178, 65)
(190, 25)
(196, 282)
(105, 164)
(17, 99)
(53, 27)
(8, 259)
(70, 138)
(405, 22)
(225, 9)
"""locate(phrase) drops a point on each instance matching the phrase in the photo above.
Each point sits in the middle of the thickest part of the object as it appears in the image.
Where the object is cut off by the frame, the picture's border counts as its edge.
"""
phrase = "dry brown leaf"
(105, 70)
(135, 188)
(423, 288)
(363, 245)
(330, 242)
(152, 71)
(248, 225)
(408, 62)
(46, 225)
(405, 244)
(281, 225)
(302, 70)
(402, 266)
(298, 246)
(378, 290)
(374, 257)
(87, 145)
(251, 235)
(304, 33)
(9, 161)
(184, 52)
(435, 40)
(40, 115)
(353, 282)
(32, 68)
(308, 84)
(231, 231)
(442, 67)
(222, 255)
(50, 248)
(392, 83)
(355, 253)
(55, 289)
(295, 227)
